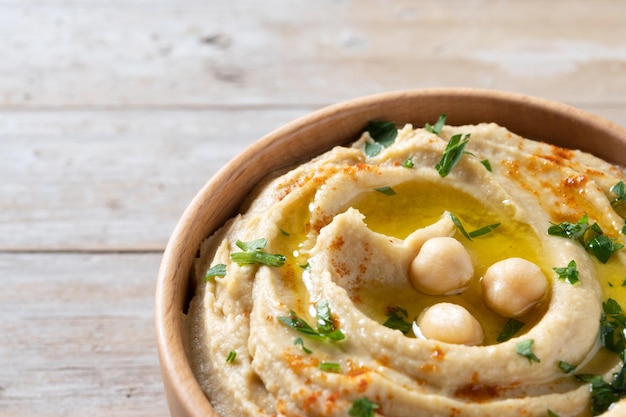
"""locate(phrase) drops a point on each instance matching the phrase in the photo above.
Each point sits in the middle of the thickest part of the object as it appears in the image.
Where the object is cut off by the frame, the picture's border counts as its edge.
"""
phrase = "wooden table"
(113, 113)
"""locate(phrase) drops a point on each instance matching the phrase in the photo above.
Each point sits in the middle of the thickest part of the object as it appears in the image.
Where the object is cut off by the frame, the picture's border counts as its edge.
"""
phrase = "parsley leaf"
(590, 236)
(525, 349)
(326, 329)
(452, 154)
(383, 133)
(619, 203)
(566, 367)
(218, 270)
(408, 163)
(568, 273)
(602, 247)
(363, 407)
(395, 319)
(386, 190)
(300, 342)
(486, 164)
(603, 393)
(612, 327)
(252, 254)
(231, 356)
(511, 327)
(439, 124)
(478, 232)
(329, 367)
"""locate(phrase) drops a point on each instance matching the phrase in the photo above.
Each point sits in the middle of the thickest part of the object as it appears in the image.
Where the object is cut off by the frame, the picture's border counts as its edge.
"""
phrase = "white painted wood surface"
(114, 113)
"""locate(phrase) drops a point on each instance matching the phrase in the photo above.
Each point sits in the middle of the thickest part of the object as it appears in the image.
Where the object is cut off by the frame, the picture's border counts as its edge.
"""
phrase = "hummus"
(314, 299)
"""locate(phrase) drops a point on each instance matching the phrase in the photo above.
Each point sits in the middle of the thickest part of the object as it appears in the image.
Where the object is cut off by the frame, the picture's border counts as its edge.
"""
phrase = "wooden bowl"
(311, 135)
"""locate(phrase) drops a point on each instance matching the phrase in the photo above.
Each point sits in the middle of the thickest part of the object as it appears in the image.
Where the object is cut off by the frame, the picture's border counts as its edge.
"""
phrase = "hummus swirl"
(349, 226)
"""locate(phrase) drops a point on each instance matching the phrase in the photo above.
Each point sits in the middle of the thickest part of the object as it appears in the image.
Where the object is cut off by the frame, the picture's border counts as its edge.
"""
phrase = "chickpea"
(512, 286)
(442, 266)
(450, 323)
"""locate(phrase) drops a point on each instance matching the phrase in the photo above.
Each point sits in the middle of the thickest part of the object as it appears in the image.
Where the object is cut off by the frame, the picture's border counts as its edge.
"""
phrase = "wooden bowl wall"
(311, 135)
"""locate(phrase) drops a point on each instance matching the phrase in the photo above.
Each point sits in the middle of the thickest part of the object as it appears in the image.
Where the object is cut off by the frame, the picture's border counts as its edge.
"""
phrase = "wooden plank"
(67, 54)
(77, 335)
(114, 180)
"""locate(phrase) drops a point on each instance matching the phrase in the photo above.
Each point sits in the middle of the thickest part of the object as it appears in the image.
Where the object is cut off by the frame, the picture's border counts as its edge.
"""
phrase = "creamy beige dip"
(351, 226)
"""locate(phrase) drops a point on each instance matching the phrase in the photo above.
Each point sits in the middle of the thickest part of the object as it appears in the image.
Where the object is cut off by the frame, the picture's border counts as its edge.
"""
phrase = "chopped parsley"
(439, 124)
(396, 319)
(386, 190)
(252, 253)
(452, 154)
(511, 327)
(566, 367)
(218, 270)
(486, 164)
(329, 367)
(525, 349)
(326, 329)
(612, 327)
(300, 342)
(551, 413)
(408, 163)
(284, 232)
(478, 232)
(590, 236)
(363, 407)
(383, 133)
(603, 393)
(568, 273)
(231, 356)
(619, 203)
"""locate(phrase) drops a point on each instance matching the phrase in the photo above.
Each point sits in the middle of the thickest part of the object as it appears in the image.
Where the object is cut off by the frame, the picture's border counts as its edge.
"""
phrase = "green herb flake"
(525, 349)
(568, 273)
(396, 319)
(619, 203)
(300, 342)
(306, 266)
(408, 163)
(624, 283)
(604, 393)
(218, 270)
(329, 367)
(326, 329)
(452, 154)
(439, 124)
(612, 327)
(551, 413)
(386, 190)
(566, 367)
(486, 164)
(231, 356)
(252, 254)
(573, 231)
(363, 407)
(511, 327)
(325, 323)
(383, 133)
(469, 235)
(603, 247)
(284, 232)
(590, 236)
(483, 230)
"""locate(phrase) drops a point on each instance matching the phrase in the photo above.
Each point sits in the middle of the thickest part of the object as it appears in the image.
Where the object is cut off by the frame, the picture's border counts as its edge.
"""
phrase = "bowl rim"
(184, 394)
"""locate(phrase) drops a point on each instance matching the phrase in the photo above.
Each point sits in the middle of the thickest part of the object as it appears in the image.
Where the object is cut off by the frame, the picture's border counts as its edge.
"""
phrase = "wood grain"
(77, 335)
(114, 113)
(142, 53)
